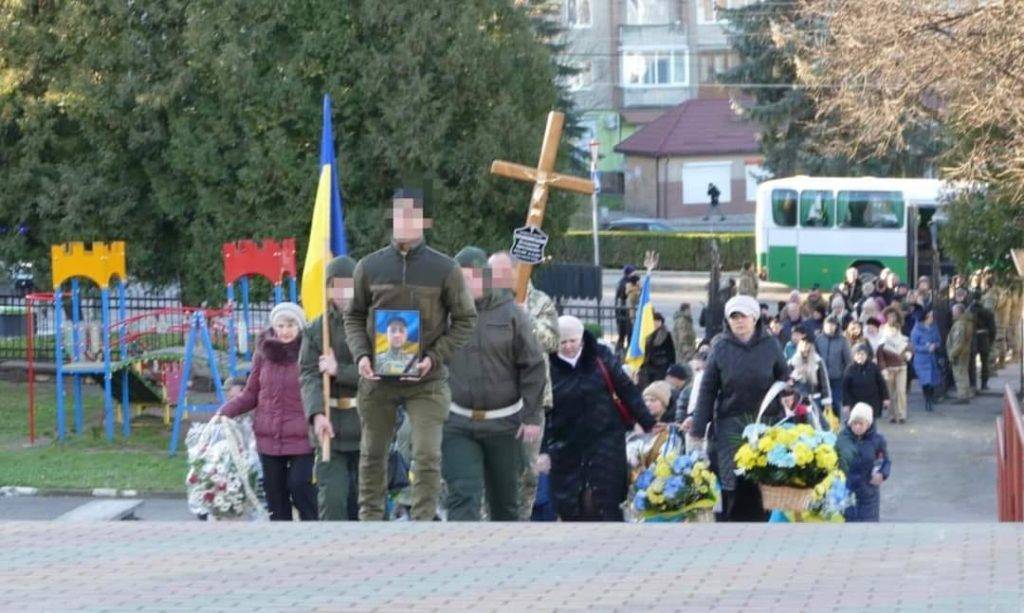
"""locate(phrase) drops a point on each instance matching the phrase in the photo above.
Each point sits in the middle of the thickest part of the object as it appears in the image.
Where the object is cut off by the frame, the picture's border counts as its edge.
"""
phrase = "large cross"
(543, 178)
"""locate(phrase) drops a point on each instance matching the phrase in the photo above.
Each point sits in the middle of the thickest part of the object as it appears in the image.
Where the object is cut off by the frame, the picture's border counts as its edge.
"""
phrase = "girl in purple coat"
(282, 432)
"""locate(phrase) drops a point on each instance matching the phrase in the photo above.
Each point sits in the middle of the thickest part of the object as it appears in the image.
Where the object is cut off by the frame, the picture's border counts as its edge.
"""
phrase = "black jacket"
(659, 354)
(736, 378)
(864, 383)
(585, 436)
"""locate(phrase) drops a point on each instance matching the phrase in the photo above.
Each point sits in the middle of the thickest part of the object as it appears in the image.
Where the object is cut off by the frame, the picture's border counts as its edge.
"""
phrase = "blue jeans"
(837, 395)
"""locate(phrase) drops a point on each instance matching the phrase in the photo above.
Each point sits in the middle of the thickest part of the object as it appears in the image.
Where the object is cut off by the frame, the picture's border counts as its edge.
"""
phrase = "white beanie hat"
(569, 328)
(290, 310)
(861, 411)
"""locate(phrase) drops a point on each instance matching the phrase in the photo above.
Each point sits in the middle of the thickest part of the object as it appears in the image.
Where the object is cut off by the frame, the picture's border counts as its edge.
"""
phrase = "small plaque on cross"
(528, 244)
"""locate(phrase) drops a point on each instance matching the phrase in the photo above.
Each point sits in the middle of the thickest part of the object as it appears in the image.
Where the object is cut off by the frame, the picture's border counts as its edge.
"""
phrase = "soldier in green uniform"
(407, 275)
(958, 349)
(497, 383)
(338, 478)
(544, 321)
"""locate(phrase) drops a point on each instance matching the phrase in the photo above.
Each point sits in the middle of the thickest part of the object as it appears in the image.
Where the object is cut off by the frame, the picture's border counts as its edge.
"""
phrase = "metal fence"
(14, 322)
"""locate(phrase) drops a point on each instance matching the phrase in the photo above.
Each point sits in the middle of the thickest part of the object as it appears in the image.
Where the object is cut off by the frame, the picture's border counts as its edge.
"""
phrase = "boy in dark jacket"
(863, 382)
(864, 457)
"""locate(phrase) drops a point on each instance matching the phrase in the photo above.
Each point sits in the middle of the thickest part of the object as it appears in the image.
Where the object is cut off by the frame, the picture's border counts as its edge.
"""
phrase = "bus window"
(817, 209)
(784, 207)
(871, 209)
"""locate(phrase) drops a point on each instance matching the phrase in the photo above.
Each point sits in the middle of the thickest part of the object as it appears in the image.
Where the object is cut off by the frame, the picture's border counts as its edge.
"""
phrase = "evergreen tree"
(178, 125)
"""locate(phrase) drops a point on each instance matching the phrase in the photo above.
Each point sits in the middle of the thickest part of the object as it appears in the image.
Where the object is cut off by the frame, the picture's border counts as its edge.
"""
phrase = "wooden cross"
(543, 178)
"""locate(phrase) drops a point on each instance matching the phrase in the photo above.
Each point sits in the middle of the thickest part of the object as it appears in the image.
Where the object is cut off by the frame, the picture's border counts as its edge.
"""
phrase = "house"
(670, 161)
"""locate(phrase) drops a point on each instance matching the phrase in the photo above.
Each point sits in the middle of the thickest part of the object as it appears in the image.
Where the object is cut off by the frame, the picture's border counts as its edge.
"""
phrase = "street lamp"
(595, 147)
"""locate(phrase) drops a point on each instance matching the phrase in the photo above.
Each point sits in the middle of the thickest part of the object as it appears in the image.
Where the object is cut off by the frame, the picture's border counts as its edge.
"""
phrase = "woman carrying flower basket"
(282, 432)
(744, 363)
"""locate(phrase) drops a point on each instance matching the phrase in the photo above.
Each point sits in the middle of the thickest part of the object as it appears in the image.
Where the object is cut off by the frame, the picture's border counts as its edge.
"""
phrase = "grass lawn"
(83, 461)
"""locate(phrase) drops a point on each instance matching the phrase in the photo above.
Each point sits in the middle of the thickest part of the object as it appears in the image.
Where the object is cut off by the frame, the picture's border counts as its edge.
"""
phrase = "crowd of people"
(510, 412)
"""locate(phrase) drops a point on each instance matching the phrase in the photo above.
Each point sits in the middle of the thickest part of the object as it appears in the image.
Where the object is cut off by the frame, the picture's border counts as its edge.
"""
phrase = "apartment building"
(639, 59)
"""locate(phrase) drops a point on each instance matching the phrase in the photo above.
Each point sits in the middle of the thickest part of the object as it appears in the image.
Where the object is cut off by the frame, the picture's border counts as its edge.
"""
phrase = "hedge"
(678, 251)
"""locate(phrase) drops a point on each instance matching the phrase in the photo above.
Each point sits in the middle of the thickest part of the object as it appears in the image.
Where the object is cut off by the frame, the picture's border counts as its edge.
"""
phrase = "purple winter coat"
(273, 390)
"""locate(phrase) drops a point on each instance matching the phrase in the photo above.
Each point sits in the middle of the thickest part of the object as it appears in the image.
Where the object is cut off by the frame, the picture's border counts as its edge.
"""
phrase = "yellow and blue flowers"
(786, 454)
(674, 488)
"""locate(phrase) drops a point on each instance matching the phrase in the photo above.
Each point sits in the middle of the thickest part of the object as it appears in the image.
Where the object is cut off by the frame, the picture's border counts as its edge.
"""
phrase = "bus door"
(783, 238)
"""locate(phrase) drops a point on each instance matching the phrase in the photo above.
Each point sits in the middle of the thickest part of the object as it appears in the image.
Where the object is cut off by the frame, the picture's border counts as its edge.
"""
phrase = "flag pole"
(325, 442)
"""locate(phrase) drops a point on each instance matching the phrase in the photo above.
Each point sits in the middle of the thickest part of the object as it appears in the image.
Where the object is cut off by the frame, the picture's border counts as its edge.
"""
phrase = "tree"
(793, 127)
(981, 231)
(179, 125)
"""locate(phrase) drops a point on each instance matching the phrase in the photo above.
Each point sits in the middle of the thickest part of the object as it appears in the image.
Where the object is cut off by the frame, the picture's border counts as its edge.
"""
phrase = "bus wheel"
(868, 271)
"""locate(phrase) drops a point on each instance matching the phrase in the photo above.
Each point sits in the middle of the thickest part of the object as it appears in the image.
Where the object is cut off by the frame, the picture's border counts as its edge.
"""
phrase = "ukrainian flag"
(642, 327)
(327, 229)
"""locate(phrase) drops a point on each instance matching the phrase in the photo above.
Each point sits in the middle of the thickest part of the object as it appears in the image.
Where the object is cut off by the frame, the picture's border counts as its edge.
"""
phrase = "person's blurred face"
(892, 319)
(407, 221)
(474, 278)
(860, 357)
(855, 329)
(655, 406)
(775, 327)
(924, 284)
(859, 426)
(793, 311)
(233, 392)
(397, 333)
(851, 275)
(570, 347)
(741, 325)
(658, 323)
(340, 290)
(286, 329)
(829, 328)
(804, 347)
(929, 318)
(675, 382)
(503, 271)
(871, 329)
(796, 336)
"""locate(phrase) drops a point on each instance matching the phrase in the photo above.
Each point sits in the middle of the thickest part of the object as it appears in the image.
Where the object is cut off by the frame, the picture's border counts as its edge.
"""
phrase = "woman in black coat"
(744, 363)
(585, 434)
(863, 382)
(659, 353)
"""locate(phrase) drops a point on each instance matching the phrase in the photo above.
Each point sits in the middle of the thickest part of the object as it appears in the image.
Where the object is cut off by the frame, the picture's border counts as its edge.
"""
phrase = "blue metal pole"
(122, 311)
(108, 393)
(186, 371)
(247, 317)
(292, 290)
(58, 351)
(232, 333)
(211, 357)
(278, 293)
(76, 355)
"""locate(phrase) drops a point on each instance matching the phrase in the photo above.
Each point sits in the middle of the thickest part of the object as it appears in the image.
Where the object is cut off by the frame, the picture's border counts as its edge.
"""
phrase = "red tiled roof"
(695, 127)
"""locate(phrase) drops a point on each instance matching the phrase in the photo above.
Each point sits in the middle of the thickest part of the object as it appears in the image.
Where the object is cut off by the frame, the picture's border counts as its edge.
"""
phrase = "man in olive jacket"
(497, 385)
(958, 349)
(406, 275)
(338, 478)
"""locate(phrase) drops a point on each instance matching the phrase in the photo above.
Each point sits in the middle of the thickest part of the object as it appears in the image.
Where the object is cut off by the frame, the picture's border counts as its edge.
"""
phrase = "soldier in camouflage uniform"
(544, 318)
(337, 479)
(958, 349)
(683, 334)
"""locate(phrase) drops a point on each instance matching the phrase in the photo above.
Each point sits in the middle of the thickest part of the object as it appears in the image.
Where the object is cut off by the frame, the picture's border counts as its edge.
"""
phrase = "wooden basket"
(785, 498)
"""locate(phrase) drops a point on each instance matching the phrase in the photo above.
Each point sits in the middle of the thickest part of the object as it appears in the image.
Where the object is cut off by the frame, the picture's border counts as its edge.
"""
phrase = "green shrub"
(678, 251)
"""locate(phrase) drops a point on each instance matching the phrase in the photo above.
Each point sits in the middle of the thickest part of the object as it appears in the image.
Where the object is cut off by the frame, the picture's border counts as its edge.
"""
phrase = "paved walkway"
(514, 567)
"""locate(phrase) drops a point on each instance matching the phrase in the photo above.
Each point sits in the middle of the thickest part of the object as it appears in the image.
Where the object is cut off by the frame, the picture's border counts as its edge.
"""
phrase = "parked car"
(636, 224)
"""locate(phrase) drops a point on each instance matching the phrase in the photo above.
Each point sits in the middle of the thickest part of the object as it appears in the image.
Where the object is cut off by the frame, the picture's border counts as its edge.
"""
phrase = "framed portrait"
(396, 342)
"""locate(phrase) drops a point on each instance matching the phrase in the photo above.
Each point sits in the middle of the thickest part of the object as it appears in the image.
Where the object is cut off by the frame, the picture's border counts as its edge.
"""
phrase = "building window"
(697, 177)
(871, 209)
(707, 10)
(649, 12)
(584, 77)
(577, 13)
(654, 68)
(710, 64)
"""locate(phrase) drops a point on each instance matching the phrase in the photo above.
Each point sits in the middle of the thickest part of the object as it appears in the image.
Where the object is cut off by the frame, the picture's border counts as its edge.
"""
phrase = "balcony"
(672, 34)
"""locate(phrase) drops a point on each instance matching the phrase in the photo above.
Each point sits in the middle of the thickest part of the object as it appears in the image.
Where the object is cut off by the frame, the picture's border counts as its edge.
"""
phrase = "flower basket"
(676, 487)
(786, 498)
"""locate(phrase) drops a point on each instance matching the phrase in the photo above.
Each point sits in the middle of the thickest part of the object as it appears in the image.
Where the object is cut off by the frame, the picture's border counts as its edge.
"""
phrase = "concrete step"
(102, 510)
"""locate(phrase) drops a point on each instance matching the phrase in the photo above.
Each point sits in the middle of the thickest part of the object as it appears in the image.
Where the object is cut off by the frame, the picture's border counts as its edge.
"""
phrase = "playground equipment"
(273, 260)
(99, 263)
(198, 331)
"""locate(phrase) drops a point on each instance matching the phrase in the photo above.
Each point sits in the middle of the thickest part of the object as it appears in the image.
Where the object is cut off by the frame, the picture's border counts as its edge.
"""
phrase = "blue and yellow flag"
(642, 327)
(327, 229)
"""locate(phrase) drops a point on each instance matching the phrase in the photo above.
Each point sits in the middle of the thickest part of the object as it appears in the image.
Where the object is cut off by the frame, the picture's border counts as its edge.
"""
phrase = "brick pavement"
(450, 567)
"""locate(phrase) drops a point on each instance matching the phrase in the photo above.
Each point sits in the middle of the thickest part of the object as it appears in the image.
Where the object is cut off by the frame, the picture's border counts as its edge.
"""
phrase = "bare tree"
(880, 69)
